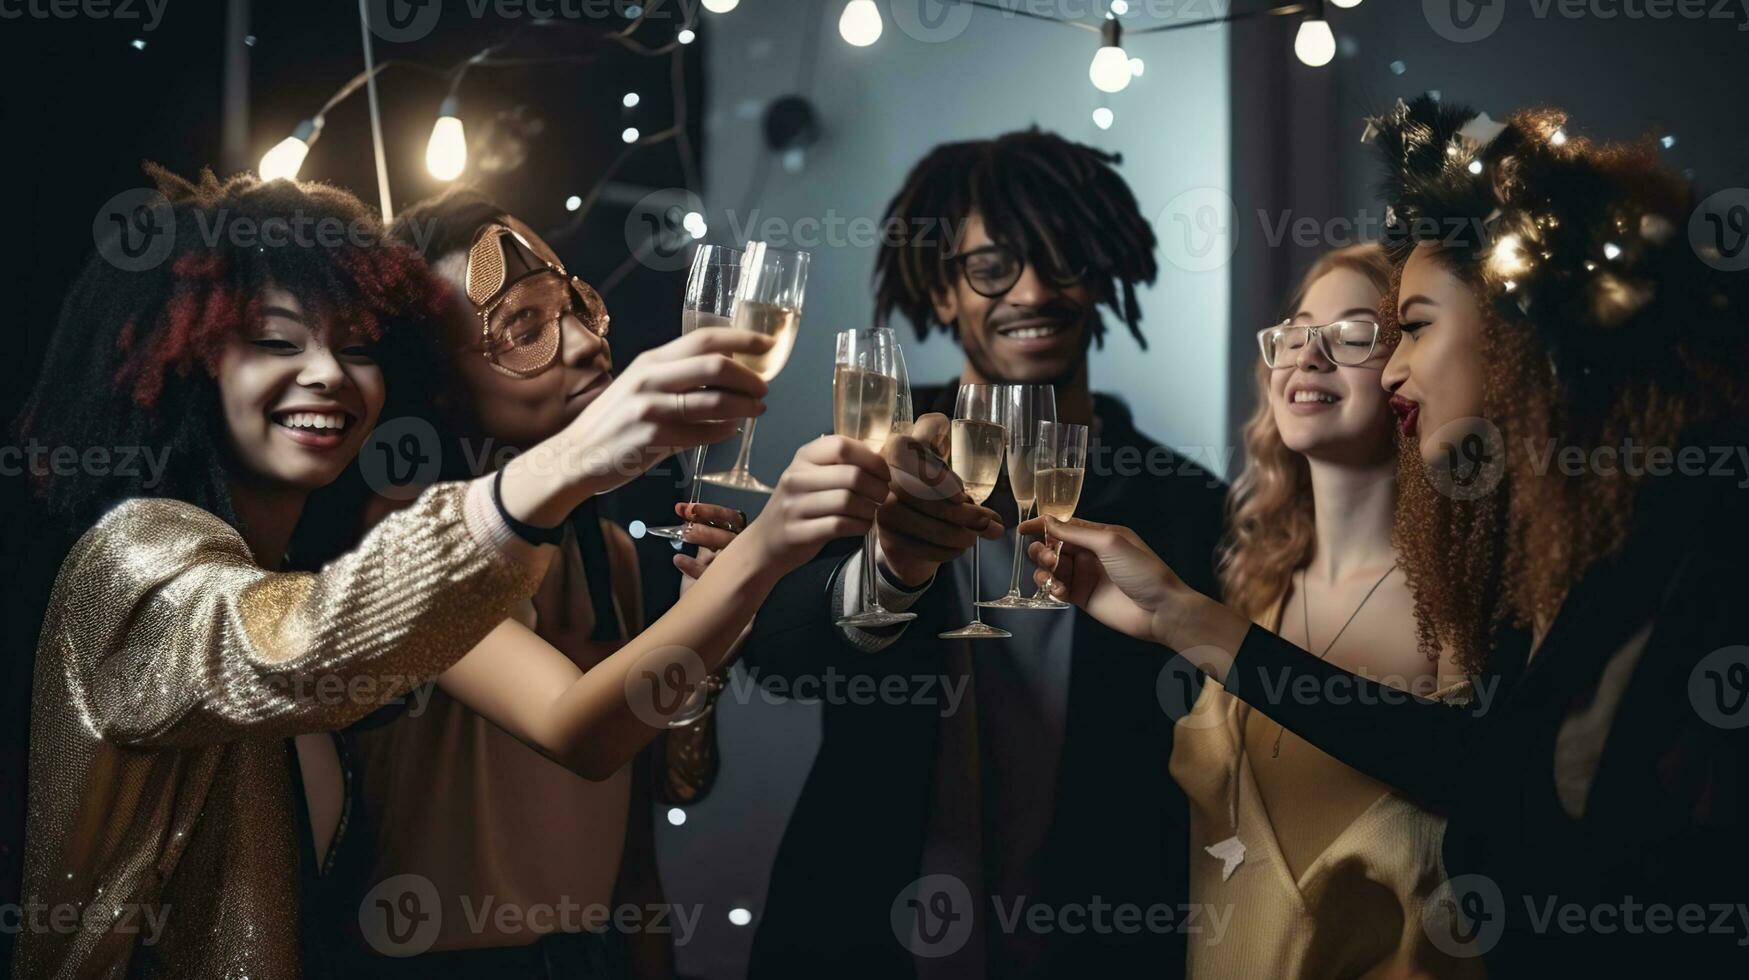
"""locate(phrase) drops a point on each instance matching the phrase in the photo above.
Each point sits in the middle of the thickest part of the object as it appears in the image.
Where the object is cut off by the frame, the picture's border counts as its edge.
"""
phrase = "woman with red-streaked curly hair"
(185, 796)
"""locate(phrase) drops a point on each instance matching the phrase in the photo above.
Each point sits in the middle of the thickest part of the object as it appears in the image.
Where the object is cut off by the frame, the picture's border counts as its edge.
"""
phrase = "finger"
(960, 512)
(924, 536)
(831, 450)
(689, 566)
(936, 551)
(706, 371)
(725, 340)
(709, 405)
(706, 536)
(839, 476)
(829, 503)
(716, 515)
(674, 436)
(1054, 587)
(933, 429)
(993, 530)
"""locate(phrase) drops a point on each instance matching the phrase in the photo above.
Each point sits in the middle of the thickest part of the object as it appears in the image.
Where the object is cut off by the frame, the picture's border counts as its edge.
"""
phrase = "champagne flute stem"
(871, 586)
(1014, 580)
(697, 474)
(741, 458)
(977, 613)
(1050, 575)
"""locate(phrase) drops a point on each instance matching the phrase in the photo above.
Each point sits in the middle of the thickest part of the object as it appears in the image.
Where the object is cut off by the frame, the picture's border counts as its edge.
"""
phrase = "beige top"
(1355, 907)
(516, 830)
(161, 839)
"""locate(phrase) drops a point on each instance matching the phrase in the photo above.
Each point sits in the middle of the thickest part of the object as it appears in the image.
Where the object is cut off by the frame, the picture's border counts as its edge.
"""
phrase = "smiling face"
(511, 409)
(297, 397)
(1435, 376)
(1325, 410)
(1036, 332)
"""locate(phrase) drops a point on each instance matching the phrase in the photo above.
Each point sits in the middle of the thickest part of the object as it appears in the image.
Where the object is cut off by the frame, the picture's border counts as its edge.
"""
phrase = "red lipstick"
(1408, 413)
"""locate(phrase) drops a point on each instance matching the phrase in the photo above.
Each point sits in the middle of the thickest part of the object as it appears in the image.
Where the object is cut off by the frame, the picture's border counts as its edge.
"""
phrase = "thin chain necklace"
(1306, 615)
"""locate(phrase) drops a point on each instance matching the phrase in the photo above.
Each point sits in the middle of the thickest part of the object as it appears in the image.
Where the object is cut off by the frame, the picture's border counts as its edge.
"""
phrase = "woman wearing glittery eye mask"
(1573, 514)
(180, 669)
(1298, 844)
(511, 364)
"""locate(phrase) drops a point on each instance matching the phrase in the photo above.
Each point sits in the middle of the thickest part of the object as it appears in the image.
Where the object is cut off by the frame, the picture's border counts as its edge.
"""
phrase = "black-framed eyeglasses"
(992, 270)
(1349, 343)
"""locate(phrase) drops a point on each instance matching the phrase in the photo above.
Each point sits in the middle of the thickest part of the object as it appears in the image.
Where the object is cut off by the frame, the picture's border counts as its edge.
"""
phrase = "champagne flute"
(867, 375)
(1028, 405)
(980, 440)
(768, 300)
(709, 302)
(1062, 461)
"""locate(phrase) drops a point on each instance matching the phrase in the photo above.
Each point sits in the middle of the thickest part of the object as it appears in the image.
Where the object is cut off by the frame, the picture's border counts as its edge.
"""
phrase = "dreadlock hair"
(133, 363)
(1058, 203)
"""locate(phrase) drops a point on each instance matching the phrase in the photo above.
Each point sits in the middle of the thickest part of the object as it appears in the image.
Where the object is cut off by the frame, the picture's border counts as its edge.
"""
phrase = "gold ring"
(681, 397)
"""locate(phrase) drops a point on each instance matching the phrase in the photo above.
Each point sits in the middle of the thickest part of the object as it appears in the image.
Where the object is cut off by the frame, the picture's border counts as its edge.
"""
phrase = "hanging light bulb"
(1102, 117)
(1345, 4)
(860, 24)
(721, 6)
(1315, 44)
(446, 155)
(1110, 70)
(288, 155)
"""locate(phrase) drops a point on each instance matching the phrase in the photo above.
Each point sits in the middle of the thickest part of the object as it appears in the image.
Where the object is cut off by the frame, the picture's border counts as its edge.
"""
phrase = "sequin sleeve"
(172, 634)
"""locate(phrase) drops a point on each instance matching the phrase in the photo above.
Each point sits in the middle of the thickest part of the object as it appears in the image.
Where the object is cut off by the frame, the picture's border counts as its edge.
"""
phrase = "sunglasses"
(521, 316)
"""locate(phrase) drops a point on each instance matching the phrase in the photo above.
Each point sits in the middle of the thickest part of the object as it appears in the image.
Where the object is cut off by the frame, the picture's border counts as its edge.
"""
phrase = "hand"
(927, 518)
(831, 490)
(711, 527)
(656, 406)
(1107, 570)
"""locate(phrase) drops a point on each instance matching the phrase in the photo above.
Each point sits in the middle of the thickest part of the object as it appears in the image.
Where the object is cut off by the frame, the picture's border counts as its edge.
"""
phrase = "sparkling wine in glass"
(979, 443)
(768, 300)
(1028, 405)
(867, 377)
(709, 302)
(1061, 465)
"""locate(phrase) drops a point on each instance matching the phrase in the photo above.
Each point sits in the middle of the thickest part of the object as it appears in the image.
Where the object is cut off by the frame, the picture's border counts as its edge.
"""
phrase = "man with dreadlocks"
(961, 823)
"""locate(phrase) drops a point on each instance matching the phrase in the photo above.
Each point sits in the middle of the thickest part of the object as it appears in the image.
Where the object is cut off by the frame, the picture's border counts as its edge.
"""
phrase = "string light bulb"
(1315, 44)
(285, 159)
(1103, 117)
(1110, 70)
(446, 155)
(721, 6)
(860, 24)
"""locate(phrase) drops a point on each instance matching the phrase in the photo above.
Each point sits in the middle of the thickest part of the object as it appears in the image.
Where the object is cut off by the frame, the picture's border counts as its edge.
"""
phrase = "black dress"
(1582, 841)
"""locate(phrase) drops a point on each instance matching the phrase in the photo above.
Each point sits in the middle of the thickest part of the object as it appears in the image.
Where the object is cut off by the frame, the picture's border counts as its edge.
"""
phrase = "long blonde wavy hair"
(1269, 512)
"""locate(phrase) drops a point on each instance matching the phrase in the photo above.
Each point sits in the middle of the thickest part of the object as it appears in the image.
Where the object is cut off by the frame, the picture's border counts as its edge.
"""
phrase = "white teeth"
(1031, 333)
(313, 420)
(1308, 395)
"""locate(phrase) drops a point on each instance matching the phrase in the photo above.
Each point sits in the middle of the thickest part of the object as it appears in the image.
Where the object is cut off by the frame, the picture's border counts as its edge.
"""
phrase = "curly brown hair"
(1269, 512)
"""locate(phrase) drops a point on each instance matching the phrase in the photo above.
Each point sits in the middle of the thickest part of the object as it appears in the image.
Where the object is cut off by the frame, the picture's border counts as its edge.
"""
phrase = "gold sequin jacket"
(170, 671)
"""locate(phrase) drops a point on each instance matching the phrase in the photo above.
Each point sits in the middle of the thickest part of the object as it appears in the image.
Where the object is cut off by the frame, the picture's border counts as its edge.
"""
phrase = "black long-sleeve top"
(1597, 789)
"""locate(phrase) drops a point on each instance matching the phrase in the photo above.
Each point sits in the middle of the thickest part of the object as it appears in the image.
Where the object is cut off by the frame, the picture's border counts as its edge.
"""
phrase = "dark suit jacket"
(1118, 833)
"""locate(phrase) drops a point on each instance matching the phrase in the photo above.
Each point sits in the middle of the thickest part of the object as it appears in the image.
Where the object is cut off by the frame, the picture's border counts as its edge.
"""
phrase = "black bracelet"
(524, 530)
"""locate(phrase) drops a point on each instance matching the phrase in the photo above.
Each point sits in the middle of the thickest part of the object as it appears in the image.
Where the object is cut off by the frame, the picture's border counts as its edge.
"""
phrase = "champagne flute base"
(975, 631)
(1012, 602)
(876, 617)
(737, 480)
(673, 532)
(1046, 602)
